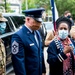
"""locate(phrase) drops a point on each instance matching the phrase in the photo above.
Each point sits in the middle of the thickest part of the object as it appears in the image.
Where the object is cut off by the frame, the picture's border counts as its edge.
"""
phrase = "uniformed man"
(26, 46)
(2, 47)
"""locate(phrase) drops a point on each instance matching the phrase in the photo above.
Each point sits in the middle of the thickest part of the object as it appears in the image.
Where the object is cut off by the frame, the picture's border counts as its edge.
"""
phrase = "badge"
(15, 47)
(32, 44)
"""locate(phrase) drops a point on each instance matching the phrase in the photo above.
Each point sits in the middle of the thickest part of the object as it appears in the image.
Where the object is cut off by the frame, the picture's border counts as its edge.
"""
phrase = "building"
(15, 5)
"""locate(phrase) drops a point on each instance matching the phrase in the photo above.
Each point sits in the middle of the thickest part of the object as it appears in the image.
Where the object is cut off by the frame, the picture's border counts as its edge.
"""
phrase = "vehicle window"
(9, 26)
(18, 20)
(48, 18)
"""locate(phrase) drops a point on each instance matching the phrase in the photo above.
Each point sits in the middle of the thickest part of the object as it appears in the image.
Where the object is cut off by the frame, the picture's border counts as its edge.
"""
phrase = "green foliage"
(63, 5)
(6, 7)
(23, 5)
(43, 3)
(31, 4)
(36, 4)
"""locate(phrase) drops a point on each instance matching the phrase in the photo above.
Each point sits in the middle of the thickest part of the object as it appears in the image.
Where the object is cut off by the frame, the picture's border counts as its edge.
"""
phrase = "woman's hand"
(67, 49)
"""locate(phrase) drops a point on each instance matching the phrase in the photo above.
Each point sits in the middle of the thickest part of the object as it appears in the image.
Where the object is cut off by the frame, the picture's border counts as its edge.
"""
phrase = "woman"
(61, 50)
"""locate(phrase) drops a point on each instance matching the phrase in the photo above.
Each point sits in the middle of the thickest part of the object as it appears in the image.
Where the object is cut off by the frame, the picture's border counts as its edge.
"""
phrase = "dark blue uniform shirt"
(27, 57)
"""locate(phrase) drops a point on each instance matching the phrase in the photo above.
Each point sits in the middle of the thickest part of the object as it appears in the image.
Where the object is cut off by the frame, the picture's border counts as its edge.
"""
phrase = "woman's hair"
(63, 20)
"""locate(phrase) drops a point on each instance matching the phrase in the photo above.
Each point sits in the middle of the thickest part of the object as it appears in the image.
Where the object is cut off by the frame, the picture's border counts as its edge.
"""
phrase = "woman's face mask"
(2, 27)
(63, 34)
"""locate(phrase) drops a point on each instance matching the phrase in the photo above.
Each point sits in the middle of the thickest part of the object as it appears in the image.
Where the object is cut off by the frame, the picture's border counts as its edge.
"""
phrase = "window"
(18, 20)
(9, 26)
(48, 18)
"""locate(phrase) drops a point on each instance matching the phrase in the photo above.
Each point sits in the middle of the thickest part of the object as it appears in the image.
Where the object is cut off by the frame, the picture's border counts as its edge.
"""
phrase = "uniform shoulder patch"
(15, 47)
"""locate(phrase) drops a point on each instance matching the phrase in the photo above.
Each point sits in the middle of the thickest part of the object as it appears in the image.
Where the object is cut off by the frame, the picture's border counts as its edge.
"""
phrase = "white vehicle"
(48, 18)
(49, 26)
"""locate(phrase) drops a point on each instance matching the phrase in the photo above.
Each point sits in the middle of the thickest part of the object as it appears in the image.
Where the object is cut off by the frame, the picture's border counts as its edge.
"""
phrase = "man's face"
(68, 14)
(33, 24)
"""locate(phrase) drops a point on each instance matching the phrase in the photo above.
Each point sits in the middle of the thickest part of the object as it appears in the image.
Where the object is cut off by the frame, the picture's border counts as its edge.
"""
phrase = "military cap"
(63, 19)
(34, 13)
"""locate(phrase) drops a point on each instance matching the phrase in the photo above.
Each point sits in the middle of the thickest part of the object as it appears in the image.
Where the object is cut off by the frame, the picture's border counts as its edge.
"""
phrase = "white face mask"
(63, 34)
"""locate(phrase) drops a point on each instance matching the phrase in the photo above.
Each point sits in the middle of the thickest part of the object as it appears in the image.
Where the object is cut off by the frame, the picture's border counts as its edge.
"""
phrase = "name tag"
(32, 44)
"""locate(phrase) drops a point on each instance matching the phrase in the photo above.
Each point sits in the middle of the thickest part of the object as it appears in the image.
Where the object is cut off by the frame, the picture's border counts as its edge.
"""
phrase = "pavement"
(47, 66)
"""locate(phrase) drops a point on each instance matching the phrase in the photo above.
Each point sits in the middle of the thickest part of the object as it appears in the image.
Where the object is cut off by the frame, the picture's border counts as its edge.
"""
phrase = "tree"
(43, 3)
(30, 3)
(63, 5)
(36, 4)
(6, 6)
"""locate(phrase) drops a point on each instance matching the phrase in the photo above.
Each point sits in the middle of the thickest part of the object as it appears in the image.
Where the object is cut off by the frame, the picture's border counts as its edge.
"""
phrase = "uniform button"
(40, 56)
